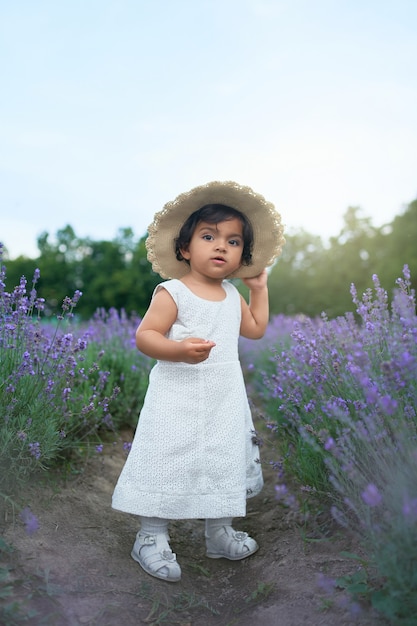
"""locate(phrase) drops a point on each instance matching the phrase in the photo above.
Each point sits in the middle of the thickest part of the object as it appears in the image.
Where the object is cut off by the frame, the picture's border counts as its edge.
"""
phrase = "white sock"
(214, 524)
(153, 526)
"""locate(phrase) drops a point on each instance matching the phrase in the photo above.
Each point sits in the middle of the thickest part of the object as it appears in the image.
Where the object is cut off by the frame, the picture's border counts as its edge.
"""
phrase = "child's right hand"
(194, 350)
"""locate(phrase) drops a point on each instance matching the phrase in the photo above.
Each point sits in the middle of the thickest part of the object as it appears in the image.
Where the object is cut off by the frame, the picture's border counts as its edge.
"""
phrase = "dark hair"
(213, 214)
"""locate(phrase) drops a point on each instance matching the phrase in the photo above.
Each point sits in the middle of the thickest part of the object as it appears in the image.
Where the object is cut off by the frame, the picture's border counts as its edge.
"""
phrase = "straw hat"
(165, 228)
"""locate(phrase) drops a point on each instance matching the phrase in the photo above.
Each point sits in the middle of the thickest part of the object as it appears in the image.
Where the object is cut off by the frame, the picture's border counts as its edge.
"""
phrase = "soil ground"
(76, 569)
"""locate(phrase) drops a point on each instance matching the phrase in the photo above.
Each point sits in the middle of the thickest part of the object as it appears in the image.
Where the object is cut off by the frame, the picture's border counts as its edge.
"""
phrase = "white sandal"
(155, 556)
(230, 544)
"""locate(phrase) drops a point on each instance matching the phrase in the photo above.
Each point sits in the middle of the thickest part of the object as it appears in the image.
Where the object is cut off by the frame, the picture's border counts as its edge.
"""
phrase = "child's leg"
(223, 541)
(153, 552)
(153, 526)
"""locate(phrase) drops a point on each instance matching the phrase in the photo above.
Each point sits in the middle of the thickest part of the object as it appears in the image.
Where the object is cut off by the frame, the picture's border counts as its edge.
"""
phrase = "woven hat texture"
(167, 223)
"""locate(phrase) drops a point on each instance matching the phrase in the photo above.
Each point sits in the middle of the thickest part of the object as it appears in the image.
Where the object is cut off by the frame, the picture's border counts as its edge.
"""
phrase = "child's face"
(215, 250)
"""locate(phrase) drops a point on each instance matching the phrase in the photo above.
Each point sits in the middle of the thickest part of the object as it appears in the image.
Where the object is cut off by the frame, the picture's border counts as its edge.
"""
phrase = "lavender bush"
(59, 382)
(111, 343)
(345, 396)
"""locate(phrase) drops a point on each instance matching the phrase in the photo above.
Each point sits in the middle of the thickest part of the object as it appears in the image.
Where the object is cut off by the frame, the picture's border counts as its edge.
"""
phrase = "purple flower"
(81, 344)
(410, 508)
(310, 406)
(66, 304)
(281, 491)
(77, 295)
(325, 583)
(409, 412)
(30, 520)
(388, 405)
(371, 495)
(99, 448)
(35, 449)
(329, 444)
(406, 272)
(127, 446)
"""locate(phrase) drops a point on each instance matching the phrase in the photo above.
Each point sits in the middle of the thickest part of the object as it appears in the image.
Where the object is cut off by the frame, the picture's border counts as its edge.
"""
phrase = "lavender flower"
(281, 491)
(49, 400)
(30, 520)
(35, 449)
(329, 444)
(371, 495)
(325, 583)
(127, 446)
(410, 508)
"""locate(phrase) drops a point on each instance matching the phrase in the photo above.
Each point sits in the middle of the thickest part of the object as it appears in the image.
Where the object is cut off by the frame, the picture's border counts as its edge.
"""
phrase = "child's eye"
(208, 237)
(234, 242)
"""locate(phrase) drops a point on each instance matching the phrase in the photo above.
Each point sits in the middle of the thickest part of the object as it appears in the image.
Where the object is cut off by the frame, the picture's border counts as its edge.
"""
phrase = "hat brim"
(165, 228)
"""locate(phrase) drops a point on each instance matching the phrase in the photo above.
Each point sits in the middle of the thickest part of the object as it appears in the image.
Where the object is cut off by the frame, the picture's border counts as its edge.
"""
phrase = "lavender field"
(338, 398)
(341, 397)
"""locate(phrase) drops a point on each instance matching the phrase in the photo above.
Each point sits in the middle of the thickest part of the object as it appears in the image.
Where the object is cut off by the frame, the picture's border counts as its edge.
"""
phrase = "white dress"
(193, 454)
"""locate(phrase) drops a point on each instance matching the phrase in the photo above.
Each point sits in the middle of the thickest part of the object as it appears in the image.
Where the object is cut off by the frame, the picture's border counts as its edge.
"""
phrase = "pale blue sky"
(110, 108)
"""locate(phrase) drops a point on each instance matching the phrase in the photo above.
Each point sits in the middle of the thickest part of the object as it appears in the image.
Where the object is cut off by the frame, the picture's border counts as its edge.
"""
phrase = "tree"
(395, 246)
(292, 282)
(310, 277)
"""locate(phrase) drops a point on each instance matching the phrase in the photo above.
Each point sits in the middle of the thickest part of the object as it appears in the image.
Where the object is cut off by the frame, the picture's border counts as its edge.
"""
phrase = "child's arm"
(255, 315)
(150, 335)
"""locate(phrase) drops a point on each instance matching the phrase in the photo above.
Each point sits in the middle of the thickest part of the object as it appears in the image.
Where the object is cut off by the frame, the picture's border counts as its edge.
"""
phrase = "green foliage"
(262, 591)
(345, 396)
(306, 463)
(111, 274)
(395, 245)
(61, 383)
(395, 597)
(310, 277)
(112, 347)
(35, 369)
(294, 280)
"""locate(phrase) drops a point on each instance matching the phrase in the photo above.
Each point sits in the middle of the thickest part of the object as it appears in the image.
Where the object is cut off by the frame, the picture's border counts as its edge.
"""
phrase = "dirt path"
(76, 569)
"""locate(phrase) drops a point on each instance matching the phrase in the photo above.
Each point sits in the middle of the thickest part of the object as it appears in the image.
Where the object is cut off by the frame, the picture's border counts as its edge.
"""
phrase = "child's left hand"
(256, 282)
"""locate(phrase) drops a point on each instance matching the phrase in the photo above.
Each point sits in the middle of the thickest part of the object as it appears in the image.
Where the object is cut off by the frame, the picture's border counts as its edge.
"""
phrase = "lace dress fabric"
(193, 455)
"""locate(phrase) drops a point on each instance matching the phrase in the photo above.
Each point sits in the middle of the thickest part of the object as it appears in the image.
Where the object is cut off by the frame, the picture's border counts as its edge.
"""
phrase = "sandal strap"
(163, 558)
(155, 560)
(230, 544)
